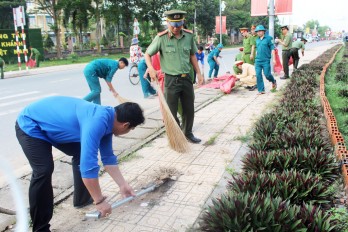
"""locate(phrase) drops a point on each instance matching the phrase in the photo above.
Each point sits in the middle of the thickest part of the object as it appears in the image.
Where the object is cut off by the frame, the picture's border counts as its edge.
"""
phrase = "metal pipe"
(97, 214)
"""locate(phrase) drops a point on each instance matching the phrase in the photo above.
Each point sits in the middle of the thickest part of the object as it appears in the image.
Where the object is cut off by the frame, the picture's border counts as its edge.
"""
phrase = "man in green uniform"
(286, 42)
(253, 39)
(36, 54)
(2, 66)
(248, 45)
(177, 52)
(297, 45)
(239, 57)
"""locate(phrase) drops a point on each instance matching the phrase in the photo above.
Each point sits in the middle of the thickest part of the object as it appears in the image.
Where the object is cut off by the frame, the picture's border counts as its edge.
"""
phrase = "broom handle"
(97, 214)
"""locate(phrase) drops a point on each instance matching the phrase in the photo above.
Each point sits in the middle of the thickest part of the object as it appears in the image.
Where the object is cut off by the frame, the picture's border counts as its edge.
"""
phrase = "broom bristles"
(121, 99)
(176, 138)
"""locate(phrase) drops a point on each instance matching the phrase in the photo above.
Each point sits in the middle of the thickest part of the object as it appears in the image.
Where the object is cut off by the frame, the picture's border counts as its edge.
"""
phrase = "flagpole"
(271, 23)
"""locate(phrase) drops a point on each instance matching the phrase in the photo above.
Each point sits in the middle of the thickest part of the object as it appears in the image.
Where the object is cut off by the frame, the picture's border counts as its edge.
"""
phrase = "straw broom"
(121, 99)
(176, 138)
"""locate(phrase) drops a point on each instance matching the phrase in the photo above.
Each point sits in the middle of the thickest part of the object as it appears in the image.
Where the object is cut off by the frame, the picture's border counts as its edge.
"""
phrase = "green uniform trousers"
(246, 59)
(37, 60)
(180, 88)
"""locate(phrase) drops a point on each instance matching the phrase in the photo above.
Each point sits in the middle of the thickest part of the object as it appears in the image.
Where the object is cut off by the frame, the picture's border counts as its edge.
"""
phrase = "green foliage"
(341, 216)
(244, 212)
(73, 57)
(297, 187)
(104, 41)
(225, 40)
(48, 43)
(317, 161)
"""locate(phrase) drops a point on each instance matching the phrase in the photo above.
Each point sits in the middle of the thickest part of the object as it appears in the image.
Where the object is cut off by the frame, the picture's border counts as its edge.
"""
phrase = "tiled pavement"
(176, 205)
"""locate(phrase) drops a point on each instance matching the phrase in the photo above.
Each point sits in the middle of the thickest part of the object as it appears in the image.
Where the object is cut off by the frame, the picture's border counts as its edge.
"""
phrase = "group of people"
(82, 127)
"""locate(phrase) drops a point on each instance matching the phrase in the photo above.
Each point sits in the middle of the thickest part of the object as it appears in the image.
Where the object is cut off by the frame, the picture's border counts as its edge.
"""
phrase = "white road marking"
(25, 100)
(19, 95)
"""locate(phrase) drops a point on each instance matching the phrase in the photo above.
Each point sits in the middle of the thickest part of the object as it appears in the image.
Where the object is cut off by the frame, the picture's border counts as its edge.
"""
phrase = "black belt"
(246, 53)
(285, 50)
(179, 75)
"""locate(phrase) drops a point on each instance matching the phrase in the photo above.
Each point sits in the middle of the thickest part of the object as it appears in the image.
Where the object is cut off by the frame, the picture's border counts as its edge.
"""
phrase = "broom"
(176, 138)
(223, 63)
(121, 99)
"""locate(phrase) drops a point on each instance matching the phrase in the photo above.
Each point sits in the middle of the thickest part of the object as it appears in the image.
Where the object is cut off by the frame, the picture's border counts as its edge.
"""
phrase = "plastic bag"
(291, 61)
(227, 85)
(278, 67)
(31, 63)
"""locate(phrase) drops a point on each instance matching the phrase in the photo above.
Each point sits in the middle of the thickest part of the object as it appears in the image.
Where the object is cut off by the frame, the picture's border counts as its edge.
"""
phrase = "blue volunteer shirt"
(200, 57)
(60, 120)
(215, 52)
(104, 68)
(264, 48)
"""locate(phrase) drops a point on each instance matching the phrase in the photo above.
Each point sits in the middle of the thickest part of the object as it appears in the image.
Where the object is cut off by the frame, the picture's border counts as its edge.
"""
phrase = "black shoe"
(89, 202)
(252, 88)
(193, 139)
(248, 87)
(284, 77)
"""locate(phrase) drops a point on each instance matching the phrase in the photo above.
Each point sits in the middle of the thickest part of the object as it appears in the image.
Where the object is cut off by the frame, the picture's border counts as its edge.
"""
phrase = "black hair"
(124, 60)
(130, 112)
(200, 48)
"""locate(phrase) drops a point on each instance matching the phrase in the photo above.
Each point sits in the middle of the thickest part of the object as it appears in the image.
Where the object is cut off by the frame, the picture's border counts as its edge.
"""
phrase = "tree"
(48, 43)
(51, 7)
(6, 7)
(76, 13)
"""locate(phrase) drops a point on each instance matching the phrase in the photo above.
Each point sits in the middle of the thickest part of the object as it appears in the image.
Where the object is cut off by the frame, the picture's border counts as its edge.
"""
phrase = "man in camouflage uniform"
(177, 52)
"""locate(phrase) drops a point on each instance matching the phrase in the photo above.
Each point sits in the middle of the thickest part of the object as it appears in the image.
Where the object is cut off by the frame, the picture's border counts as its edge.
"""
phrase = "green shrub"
(317, 161)
(74, 57)
(258, 212)
(297, 187)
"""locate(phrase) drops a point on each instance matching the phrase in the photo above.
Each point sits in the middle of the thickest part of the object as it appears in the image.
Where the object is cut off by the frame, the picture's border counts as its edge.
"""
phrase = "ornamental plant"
(245, 212)
(317, 161)
(297, 187)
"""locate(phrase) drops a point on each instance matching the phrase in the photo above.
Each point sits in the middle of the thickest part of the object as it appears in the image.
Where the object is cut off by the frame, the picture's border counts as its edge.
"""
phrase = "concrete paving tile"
(141, 228)
(154, 220)
(119, 227)
(174, 196)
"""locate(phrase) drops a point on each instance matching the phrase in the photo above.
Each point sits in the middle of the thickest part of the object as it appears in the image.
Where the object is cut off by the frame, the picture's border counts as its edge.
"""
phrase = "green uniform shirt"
(239, 57)
(34, 51)
(248, 42)
(174, 53)
(287, 40)
(298, 44)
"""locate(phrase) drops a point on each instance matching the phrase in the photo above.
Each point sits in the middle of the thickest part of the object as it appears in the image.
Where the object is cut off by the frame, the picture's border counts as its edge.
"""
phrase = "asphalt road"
(16, 93)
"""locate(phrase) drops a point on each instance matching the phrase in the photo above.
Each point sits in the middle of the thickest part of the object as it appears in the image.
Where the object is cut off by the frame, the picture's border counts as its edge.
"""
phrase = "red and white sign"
(259, 7)
(217, 26)
(19, 16)
(283, 7)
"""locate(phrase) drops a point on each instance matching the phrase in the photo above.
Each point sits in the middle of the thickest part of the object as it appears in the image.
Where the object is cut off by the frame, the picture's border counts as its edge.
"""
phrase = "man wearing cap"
(239, 57)
(248, 76)
(297, 45)
(248, 45)
(264, 53)
(135, 51)
(177, 49)
(104, 69)
(286, 42)
(213, 62)
(253, 38)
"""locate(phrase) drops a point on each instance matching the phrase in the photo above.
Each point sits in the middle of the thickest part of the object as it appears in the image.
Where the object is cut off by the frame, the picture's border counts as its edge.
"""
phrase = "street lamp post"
(220, 23)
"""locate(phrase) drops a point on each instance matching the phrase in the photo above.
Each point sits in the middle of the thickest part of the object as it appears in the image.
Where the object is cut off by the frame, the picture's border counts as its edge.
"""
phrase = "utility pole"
(271, 22)
(220, 23)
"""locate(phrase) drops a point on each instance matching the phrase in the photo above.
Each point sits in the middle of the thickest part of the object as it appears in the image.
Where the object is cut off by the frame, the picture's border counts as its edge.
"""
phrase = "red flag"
(283, 7)
(259, 7)
(217, 25)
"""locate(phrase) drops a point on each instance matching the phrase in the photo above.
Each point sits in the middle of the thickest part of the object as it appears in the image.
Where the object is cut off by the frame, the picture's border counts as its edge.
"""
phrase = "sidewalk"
(223, 120)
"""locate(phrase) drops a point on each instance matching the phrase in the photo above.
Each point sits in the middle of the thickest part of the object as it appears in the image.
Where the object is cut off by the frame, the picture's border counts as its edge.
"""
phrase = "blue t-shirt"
(215, 52)
(104, 68)
(264, 48)
(200, 57)
(60, 120)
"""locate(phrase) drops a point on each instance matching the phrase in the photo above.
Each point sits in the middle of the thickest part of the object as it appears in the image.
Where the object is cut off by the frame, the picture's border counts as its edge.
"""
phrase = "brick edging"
(337, 139)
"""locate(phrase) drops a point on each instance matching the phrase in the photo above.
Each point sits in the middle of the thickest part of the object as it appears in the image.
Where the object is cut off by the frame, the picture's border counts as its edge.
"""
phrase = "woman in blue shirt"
(213, 62)
(79, 129)
(105, 69)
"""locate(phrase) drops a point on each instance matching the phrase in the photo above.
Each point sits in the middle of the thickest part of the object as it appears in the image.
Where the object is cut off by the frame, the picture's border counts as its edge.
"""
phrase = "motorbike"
(208, 48)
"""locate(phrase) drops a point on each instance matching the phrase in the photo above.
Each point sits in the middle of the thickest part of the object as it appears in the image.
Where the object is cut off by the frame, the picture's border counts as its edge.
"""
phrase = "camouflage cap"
(175, 15)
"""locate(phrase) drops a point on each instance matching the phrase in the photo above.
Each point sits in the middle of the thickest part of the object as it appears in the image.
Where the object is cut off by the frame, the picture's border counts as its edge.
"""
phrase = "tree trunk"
(58, 43)
(97, 31)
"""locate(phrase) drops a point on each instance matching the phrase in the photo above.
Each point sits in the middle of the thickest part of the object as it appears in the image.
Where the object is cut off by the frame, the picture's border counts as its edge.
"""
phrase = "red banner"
(259, 7)
(283, 7)
(217, 25)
